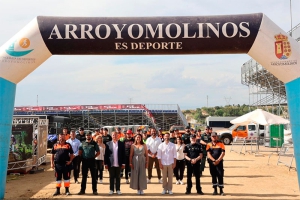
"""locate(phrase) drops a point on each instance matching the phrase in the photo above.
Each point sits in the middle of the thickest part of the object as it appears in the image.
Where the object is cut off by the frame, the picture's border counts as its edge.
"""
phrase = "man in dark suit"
(114, 161)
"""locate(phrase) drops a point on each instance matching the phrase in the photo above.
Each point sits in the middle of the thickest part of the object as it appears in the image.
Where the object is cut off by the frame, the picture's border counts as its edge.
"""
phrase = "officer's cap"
(193, 136)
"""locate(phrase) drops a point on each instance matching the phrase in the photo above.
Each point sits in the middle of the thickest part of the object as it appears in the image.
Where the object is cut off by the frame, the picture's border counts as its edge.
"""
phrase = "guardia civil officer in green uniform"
(88, 150)
(193, 154)
(205, 139)
(186, 137)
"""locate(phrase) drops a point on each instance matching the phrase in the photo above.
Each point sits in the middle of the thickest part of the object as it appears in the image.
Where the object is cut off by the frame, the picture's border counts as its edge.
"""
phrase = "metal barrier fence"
(285, 155)
(243, 145)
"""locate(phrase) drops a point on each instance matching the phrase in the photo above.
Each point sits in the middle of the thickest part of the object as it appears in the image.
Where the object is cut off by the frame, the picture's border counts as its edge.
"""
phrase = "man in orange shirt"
(61, 159)
(101, 131)
(119, 134)
(66, 133)
(215, 153)
(97, 132)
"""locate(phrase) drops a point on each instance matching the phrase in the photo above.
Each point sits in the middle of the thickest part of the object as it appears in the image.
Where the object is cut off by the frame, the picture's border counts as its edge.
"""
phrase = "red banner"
(80, 107)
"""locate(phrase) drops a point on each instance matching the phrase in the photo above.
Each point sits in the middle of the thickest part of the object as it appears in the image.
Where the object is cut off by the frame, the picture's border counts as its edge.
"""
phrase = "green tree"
(219, 112)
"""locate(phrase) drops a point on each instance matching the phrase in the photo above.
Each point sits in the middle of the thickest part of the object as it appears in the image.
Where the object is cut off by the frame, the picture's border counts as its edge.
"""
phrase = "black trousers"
(193, 169)
(79, 161)
(127, 167)
(62, 171)
(217, 174)
(99, 169)
(179, 169)
(88, 164)
(75, 167)
(114, 174)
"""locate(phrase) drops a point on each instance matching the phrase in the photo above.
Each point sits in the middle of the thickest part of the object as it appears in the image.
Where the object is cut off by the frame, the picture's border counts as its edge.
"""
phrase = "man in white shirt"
(152, 145)
(75, 143)
(167, 155)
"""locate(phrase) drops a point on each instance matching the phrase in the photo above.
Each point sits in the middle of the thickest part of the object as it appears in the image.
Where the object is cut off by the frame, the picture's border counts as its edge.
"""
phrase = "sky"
(191, 81)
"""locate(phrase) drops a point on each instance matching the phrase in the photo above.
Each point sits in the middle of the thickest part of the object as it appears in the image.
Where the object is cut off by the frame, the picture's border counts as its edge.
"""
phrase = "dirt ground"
(247, 176)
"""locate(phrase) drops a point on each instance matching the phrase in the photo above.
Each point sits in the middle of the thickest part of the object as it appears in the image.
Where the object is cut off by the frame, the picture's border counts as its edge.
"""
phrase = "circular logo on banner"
(24, 43)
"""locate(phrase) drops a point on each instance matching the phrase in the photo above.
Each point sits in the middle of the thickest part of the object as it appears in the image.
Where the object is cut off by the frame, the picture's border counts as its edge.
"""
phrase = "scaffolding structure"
(265, 90)
(39, 144)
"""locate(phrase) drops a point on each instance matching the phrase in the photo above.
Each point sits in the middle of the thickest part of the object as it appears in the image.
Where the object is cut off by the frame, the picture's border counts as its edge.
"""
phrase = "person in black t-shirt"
(172, 137)
(128, 142)
(186, 137)
(106, 138)
(81, 138)
(81, 135)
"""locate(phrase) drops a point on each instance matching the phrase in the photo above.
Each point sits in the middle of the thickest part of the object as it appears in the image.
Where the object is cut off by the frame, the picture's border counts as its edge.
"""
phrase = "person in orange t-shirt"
(97, 133)
(120, 135)
(66, 133)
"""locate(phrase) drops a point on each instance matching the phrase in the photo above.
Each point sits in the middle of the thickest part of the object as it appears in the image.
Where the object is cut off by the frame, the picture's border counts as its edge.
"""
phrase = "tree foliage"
(222, 111)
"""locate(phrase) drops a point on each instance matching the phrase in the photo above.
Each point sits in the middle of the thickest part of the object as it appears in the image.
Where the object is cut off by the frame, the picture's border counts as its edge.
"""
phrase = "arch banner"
(254, 34)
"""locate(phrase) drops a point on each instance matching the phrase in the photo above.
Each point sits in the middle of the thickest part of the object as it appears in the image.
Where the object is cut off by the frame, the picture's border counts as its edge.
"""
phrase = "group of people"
(136, 153)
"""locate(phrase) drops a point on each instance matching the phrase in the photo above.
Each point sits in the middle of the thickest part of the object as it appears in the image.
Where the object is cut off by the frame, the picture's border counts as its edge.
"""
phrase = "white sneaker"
(138, 192)
(181, 183)
(170, 192)
(177, 182)
(119, 192)
(148, 180)
(163, 192)
(100, 181)
(127, 181)
(142, 192)
(160, 181)
(111, 192)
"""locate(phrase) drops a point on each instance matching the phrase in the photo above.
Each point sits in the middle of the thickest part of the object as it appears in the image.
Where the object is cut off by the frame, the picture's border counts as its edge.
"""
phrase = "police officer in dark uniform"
(88, 150)
(205, 139)
(186, 137)
(215, 153)
(81, 135)
(193, 155)
(61, 159)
